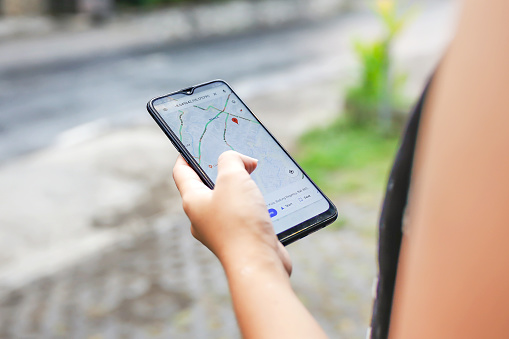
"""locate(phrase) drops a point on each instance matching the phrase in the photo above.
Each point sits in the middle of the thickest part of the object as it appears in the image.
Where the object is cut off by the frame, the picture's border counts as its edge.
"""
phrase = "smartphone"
(206, 120)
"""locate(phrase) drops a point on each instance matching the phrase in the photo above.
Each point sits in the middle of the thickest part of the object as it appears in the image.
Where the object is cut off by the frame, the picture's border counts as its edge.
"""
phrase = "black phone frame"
(292, 234)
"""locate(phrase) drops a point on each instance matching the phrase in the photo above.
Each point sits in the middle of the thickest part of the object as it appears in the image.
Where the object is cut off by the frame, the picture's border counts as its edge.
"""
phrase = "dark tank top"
(391, 224)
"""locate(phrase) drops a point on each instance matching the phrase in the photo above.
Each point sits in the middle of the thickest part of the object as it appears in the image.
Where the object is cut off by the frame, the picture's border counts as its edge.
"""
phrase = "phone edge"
(178, 144)
(286, 240)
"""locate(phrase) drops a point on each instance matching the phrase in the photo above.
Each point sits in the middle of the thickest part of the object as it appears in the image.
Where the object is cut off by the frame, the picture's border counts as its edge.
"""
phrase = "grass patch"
(347, 159)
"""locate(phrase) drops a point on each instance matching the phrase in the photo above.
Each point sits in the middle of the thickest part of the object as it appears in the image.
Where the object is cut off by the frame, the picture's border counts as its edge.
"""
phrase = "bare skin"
(453, 276)
(453, 281)
(256, 264)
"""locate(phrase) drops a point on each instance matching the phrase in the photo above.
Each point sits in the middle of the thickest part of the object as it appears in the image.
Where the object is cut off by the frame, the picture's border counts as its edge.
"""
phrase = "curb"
(39, 41)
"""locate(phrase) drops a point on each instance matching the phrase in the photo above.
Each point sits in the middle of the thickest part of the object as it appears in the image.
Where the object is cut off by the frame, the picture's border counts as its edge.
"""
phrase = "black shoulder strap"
(390, 227)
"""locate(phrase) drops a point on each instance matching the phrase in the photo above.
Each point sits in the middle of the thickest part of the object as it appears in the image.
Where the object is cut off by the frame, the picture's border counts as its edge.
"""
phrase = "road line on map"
(224, 133)
(206, 125)
(181, 124)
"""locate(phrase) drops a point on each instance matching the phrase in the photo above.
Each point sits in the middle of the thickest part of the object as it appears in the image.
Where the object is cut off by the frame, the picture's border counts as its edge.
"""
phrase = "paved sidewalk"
(164, 284)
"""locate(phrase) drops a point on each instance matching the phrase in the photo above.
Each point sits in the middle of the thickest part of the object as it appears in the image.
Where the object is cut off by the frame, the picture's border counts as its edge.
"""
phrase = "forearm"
(265, 303)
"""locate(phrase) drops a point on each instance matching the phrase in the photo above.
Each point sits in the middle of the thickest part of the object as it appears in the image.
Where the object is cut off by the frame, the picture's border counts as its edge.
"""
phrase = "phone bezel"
(286, 237)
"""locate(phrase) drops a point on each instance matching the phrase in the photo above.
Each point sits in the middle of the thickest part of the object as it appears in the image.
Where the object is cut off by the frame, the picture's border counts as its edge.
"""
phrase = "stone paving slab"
(164, 284)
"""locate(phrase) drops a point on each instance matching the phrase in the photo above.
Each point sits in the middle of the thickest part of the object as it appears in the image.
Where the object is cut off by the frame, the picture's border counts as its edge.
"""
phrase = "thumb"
(235, 161)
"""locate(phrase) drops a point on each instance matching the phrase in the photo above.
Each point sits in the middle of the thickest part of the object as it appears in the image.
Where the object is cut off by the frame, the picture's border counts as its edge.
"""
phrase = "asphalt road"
(40, 102)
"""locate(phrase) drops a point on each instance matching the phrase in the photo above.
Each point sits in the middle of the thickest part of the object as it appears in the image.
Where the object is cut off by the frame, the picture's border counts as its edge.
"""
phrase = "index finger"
(186, 178)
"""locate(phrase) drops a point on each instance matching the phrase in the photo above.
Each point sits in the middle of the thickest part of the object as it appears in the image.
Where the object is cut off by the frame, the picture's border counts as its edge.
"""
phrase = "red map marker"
(235, 120)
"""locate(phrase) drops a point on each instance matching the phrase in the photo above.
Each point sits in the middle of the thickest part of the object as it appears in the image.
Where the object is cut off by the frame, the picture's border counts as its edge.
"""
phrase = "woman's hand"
(232, 220)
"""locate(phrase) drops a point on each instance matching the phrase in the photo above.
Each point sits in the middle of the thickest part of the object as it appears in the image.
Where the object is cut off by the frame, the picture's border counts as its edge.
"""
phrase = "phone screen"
(213, 120)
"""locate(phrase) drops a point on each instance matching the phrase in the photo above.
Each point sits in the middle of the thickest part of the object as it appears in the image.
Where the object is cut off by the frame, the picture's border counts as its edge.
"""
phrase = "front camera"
(186, 91)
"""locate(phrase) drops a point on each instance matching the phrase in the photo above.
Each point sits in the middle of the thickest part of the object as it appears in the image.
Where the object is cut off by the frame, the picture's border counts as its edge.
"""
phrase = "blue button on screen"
(272, 212)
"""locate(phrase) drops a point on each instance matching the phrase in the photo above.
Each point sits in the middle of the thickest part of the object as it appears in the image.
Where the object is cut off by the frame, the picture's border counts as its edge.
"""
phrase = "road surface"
(40, 101)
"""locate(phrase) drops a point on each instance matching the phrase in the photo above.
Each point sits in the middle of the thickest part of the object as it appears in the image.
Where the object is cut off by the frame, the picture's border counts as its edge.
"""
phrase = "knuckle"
(227, 173)
(186, 203)
(229, 176)
(174, 174)
(193, 232)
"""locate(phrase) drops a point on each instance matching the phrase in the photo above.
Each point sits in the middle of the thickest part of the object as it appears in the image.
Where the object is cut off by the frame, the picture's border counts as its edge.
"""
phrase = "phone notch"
(188, 91)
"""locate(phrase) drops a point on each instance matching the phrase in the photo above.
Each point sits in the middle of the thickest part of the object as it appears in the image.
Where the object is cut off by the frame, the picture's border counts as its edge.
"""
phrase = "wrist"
(245, 262)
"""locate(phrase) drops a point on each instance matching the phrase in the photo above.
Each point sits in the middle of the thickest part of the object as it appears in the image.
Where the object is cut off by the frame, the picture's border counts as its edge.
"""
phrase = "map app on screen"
(214, 120)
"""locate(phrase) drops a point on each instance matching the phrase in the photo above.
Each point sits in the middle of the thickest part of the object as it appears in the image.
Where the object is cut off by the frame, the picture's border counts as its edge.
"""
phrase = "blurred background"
(93, 241)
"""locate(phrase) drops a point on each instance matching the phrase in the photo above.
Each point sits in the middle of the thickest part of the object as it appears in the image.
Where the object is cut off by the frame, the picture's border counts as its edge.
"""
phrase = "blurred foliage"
(158, 3)
(352, 156)
(377, 96)
(346, 158)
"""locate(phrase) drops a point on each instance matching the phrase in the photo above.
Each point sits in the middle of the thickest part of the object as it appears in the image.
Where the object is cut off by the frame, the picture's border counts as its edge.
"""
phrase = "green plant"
(377, 97)
(345, 158)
